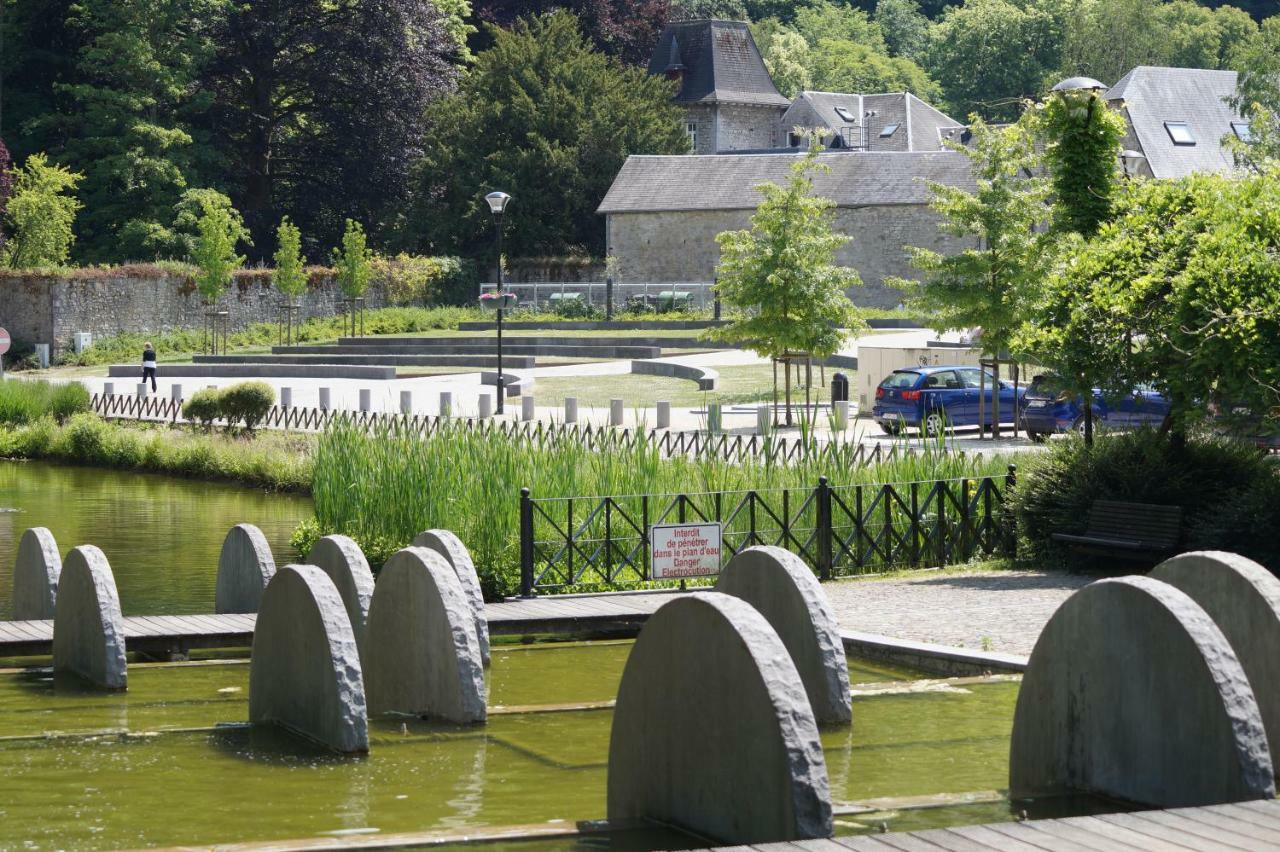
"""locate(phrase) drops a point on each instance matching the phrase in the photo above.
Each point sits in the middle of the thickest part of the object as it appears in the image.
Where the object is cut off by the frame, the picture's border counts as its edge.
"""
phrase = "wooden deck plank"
(863, 843)
(995, 839)
(1163, 832)
(1233, 824)
(945, 838)
(907, 842)
(1057, 834)
(1267, 816)
(1186, 825)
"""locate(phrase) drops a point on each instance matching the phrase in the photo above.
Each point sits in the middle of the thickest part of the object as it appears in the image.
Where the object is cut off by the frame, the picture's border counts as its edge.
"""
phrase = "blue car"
(1048, 408)
(934, 398)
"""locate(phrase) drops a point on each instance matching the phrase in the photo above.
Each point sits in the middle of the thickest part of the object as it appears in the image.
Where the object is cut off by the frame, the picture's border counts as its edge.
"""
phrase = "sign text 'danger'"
(684, 550)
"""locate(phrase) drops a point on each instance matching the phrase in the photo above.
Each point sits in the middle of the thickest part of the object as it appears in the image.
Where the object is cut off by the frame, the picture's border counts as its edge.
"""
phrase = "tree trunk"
(787, 366)
(995, 398)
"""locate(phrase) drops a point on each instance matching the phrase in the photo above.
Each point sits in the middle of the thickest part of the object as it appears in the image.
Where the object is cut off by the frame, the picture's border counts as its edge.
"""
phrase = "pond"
(162, 535)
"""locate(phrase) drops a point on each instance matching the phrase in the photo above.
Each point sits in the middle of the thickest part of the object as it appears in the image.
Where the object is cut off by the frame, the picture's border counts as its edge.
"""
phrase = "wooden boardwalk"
(1247, 826)
(164, 635)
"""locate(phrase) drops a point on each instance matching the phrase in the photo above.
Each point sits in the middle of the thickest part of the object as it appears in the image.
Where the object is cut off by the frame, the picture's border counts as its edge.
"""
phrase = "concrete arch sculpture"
(344, 562)
(88, 628)
(35, 576)
(1243, 599)
(1133, 692)
(304, 673)
(422, 650)
(782, 588)
(245, 566)
(456, 554)
(712, 730)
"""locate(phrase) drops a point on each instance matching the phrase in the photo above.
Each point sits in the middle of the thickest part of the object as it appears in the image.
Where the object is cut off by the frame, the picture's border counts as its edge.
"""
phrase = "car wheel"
(935, 424)
(1078, 426)
(1037, 437)
(890, 427)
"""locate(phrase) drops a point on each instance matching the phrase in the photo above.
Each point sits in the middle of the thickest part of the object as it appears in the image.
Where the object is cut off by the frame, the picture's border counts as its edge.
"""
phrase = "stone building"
(729, 98)
(662, 213)
(897, 121)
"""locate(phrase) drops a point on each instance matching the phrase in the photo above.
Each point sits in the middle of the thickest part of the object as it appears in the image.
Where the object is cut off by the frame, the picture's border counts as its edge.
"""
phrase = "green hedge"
(27, 401)
(244, 403)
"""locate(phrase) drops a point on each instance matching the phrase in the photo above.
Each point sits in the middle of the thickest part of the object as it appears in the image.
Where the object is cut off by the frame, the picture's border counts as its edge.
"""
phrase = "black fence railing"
(838, 530)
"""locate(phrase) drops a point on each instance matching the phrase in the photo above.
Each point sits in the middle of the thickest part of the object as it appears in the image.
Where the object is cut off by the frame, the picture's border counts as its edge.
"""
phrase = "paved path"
(1000, 611)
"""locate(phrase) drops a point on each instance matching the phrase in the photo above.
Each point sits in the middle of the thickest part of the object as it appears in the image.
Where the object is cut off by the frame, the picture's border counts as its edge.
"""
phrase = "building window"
(888, 130)
(1241, 129)
(1179, 132)
(692, 129)
(846, 115)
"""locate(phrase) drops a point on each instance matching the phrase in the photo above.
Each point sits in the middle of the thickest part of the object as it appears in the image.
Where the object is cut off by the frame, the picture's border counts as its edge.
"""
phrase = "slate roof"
(722, 63)
(1153, 96)
(728, 181)
(920, 125)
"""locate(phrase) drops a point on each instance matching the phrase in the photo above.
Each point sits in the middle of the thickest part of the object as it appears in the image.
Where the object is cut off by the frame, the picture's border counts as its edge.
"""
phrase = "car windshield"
(1045, 387)
(942, 379)
(901, 379)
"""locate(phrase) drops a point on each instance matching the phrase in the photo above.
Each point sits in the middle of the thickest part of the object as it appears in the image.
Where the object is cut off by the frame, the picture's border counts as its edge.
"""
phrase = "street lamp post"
(498, 202)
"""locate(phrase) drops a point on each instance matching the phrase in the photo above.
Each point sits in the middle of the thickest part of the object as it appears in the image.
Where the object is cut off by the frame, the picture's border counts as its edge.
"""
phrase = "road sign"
(684, 550)
(4, 341)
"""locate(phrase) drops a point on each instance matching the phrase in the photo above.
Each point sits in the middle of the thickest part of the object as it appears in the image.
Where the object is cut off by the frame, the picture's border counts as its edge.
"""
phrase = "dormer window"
(888, 130)
(1242, 131)
(1179, 132)
(847, 115)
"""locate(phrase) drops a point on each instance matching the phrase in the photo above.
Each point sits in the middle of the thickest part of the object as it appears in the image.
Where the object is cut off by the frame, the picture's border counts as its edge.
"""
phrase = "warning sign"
(684, 550)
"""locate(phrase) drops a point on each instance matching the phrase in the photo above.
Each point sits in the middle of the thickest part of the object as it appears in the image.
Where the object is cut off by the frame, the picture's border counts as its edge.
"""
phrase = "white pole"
(570, 409)
(615, 412)
(664, 415)
(446, 404)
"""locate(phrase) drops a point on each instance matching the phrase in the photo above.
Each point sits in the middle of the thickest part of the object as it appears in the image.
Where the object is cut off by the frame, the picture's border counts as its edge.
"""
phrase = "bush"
(87, 438)
(247, 403)
(1214, 480)
(68, 400)
(577, 309)
(28, 401)
(204, 407)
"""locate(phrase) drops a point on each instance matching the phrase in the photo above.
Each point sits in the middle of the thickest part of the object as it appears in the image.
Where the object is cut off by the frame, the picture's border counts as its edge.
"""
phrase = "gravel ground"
(984, 610)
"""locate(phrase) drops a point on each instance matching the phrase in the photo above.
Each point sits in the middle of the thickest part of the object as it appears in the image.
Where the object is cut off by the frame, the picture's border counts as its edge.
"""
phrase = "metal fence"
(839, 530)
(662, 295)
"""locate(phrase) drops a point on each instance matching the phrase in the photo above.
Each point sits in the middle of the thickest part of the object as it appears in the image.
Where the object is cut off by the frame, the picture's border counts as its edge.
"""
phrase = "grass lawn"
(738, 384)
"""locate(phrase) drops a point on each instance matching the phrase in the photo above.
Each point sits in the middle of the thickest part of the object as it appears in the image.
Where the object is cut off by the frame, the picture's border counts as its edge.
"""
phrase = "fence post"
(526, 544)
(824, 529)
(1011, 529)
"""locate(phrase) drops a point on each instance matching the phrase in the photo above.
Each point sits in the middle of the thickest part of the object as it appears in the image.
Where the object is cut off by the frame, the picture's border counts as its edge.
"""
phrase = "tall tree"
(549, 120)
(695, 10)
(905, 28)
(319, 104)
(41, 213)
(1258, 98)
(6, 186)
(627, 29)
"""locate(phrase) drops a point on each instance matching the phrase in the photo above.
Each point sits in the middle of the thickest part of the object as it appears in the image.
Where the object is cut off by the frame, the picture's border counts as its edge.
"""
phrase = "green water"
(162, 535)
(127, 770)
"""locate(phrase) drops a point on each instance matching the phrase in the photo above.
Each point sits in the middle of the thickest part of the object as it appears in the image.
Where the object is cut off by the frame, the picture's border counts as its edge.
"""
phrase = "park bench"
(1136, 529)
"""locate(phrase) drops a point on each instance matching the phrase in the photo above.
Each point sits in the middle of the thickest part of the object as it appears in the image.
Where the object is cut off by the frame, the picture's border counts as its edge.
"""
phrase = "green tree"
(218, 232)
(842, 66)
(781, 276)
(41, 213)
(905, 28)
(547, 119)
(1258, 98)
(353, 261)
(188, 212)
(696, 10)
(788, 62)
(289, 277)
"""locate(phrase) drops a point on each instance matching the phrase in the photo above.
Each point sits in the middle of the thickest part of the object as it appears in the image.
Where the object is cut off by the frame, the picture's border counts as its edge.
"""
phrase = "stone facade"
(680, 246)
(745, 127)
(50, 309)
(700, 124)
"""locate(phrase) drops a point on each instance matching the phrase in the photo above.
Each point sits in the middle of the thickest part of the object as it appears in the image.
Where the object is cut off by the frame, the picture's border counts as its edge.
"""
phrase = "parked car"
(1049, 408)
(933, 398)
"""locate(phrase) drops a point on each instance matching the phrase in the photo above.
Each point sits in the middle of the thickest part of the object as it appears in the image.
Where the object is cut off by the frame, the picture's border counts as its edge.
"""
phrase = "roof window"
(847, 115)
(888, 130)
(1242, 131)
(1179, 132)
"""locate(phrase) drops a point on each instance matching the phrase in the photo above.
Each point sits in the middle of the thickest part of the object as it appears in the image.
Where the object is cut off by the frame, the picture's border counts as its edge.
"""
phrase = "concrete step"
(374, 358)
(691, 341)
(478, 350)
(256, 371)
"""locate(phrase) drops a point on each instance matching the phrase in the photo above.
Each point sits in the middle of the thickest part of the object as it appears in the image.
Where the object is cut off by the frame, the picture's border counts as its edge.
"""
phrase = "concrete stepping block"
(456, 554)
(713, 732)
(1243, 599)
(344, 562)
(88, 628)
(245, 566)
(1133, 692)
(782, 588)
(422, 651)
(304, 673)
(35, 576)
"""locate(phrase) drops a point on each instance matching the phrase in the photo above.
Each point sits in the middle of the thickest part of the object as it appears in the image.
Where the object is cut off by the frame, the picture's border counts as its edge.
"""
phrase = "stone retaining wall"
(146, 300)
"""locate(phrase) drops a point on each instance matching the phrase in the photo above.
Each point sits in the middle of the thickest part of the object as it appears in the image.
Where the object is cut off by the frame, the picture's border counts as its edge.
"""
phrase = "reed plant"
(24, 401)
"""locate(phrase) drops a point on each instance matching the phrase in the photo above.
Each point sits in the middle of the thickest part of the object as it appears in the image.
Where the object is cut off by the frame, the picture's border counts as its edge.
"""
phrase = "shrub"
(204, 407)
(1207, 477)
(69, 399)
(88, 438)
(247, 403)
(577, 309)
(28, 401)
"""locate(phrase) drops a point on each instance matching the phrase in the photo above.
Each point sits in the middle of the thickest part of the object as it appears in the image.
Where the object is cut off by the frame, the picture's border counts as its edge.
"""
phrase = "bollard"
(109, 389)
(486, 406)
(324, 399)
(526, 408)
(715, 419)
(570, 409)
(286, 397)
(615, 412)
(664, 415)
(764, 419)
(366, 399)
(446, 404)
(142, 390)
(42, 355)
(175, 393)
(840, 415)
(406, 402)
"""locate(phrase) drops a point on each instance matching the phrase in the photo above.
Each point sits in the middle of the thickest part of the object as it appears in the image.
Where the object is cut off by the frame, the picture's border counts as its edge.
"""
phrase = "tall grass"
(383, 488)
(28, 401)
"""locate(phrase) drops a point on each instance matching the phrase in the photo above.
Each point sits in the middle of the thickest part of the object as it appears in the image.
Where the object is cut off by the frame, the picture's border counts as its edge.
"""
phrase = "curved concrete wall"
(245, 566)
(342, 560)
(704, 376)
(88, 628)
(456, 554)
(35, 576)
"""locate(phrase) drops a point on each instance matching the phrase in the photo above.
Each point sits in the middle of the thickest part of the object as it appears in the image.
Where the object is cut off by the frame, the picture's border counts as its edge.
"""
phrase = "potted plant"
(498, 301)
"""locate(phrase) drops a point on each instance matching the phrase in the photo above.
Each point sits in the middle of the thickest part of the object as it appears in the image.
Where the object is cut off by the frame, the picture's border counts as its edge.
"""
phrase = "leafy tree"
(842, 66)
(6, 186)
(548, 119)
(905, 28)
(353, 261)
(627, 29)
(41, 213)
(990, 55)
(318, 108)
(696, 10)
(781, 275)
(218, 232)
(1258, 98)
(828, 20)
(787, 60)
(289, 277)
(191, 208)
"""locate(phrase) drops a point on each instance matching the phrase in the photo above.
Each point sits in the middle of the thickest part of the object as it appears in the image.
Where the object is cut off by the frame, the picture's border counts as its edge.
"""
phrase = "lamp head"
(498, 202)
(1080, 84)
(1131, 161)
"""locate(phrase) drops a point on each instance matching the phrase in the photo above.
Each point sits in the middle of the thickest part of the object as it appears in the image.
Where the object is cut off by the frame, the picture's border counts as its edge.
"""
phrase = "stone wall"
(680, 246)
(740, 127)
(50, 309)
(703, 118)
